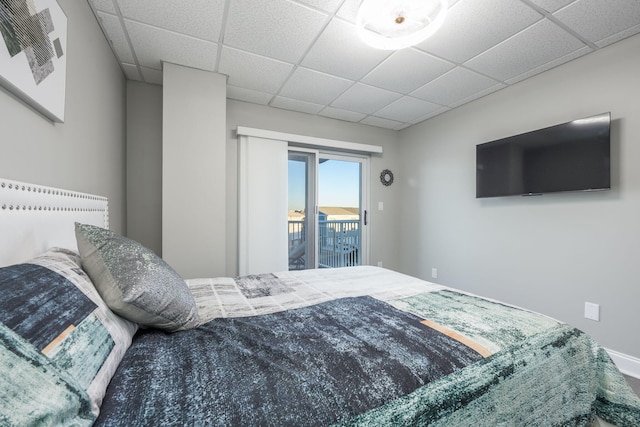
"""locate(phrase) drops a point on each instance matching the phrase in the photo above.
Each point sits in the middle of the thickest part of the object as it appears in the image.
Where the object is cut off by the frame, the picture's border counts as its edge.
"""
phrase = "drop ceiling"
(304, 55)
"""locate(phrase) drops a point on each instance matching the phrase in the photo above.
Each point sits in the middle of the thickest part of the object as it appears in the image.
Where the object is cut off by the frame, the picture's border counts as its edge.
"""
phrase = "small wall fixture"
(397, 24)
(386, 177)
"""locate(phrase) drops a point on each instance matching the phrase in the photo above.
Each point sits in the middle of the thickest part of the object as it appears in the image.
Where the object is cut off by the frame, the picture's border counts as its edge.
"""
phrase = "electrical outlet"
(379, 263)
(592, 311)
(434, 273)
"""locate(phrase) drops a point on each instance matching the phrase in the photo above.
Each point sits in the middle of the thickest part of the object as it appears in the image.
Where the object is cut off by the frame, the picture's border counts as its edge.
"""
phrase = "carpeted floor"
(634, 383)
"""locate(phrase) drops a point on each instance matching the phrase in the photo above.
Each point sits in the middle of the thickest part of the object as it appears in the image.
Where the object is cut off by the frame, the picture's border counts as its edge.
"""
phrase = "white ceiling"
(304, 55)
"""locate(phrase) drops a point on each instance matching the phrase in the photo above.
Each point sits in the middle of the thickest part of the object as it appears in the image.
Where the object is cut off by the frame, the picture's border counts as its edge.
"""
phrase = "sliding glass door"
(327, 210)
(302, 209)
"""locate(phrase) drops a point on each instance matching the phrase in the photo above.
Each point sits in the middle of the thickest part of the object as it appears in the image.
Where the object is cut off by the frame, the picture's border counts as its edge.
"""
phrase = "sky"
(338, 184)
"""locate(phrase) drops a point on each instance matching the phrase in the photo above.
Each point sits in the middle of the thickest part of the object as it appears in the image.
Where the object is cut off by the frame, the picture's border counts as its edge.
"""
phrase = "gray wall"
(87, 152)
(144, 164)
(549, 253)
(144, 104)
(385, 244)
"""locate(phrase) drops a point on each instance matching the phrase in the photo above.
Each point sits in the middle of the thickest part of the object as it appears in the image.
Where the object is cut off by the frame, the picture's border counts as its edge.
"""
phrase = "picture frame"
(33, 56)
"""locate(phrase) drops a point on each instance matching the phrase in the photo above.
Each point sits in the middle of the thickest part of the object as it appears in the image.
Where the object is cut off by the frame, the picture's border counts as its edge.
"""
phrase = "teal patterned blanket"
(433, 357)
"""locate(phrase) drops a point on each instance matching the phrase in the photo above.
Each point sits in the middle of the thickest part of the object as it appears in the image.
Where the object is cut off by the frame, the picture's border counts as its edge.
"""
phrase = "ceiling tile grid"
(600, 23)
(118, 37)
(338, 51)
(174, 16)
(366, 99)
(346, 115)
(305, 56)
(456, 86)
(279, 29)
(406, 70)
(522, 52)
(313, 86)
(474, 26)
(153, 45)
(253, 71)
(406, 109)
(248, 95)
(103, 5)
(296, 105)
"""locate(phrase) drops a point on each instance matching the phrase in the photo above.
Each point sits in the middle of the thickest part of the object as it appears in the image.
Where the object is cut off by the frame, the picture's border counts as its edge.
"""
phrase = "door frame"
(311, 202)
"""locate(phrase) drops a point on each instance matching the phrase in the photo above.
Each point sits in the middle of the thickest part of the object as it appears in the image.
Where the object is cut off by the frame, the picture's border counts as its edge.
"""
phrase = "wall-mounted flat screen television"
(573, 156)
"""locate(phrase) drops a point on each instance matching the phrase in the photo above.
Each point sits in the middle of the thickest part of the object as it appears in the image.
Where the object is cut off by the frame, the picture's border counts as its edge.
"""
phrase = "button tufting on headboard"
(34, 218)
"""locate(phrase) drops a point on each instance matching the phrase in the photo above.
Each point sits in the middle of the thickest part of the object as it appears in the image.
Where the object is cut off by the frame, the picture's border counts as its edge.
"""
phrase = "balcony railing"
(338, 244)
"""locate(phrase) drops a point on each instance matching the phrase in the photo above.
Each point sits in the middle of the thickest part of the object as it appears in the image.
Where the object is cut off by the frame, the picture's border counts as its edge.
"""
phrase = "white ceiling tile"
(549, 65)
(339, 51)
(116, 36)
(454, 86)
(430, 115)
(619, 36)
(131, 71)
(313, 86)
(153, 45)
(326, 5)
(349, 10)
(522, 52)
(103, 5)
(364, 99)
(296, 105)
(151, 75)
(472, 26)
(202, 18)
(477, 95)
(337, 113)
(253, 71)
(406, 70)
(597, 20)
(381, 123)
(248, 95)
(279, 29)
(407, 109)
(551, 5)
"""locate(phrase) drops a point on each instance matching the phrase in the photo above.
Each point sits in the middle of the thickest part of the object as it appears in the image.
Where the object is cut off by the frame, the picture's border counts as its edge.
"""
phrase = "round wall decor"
(386, 177)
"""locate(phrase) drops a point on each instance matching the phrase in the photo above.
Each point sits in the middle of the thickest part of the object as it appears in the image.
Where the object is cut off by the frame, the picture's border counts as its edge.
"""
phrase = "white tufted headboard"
(34, 218)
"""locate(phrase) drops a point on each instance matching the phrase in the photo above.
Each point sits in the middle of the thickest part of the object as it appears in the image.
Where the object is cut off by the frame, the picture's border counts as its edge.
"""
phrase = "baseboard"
(628, 365)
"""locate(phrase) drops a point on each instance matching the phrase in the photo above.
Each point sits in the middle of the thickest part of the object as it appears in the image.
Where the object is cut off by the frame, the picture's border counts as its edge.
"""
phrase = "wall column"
(193, 171)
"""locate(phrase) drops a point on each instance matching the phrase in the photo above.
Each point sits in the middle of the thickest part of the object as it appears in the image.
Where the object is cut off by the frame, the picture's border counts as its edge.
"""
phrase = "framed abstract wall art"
(33, 61)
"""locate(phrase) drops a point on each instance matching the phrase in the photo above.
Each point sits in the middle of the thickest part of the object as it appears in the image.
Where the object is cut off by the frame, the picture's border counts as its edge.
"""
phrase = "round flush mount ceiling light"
(396, 24)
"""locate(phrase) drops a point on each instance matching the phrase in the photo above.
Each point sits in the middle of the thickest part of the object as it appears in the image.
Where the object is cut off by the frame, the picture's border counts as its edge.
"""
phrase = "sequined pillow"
(134, 282)
(60, 342)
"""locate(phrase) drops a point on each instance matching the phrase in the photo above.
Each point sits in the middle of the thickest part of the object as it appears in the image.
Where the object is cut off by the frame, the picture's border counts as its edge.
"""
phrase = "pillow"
(60, 342)
(134, 282)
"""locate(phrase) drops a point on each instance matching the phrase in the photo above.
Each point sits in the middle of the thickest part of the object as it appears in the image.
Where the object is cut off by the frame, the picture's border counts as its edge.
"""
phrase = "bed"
(97, 330)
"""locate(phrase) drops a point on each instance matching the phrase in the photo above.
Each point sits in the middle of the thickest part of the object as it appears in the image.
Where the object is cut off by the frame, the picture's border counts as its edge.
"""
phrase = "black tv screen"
(573, 156)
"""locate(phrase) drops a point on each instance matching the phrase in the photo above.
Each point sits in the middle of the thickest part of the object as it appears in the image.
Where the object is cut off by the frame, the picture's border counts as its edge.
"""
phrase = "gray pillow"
(135, 282)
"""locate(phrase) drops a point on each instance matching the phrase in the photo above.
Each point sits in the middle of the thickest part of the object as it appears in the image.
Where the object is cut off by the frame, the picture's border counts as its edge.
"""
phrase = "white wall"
(385, 244)
(549, 253)
(193, 171)
(87, 152)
